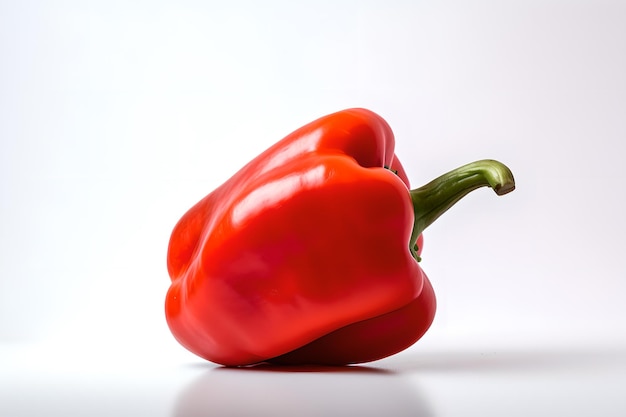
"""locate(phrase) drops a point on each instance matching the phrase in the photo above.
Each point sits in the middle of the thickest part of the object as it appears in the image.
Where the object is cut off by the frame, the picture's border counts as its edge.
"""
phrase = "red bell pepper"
(309, 254)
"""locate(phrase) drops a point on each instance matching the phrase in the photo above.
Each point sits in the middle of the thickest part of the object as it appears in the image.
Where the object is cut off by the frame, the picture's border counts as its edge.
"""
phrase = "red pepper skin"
(303, 256)
(371, 339)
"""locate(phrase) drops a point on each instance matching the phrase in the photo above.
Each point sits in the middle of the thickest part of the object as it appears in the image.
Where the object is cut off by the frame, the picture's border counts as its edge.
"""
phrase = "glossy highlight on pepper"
(309, 254)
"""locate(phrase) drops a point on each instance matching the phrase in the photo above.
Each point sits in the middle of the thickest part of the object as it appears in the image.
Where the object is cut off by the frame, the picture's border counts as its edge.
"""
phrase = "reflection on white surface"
(302, 391)
(446, 383)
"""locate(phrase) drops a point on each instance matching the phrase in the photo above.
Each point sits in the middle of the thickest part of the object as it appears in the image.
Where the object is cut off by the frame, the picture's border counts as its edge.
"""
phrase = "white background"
(117, 116)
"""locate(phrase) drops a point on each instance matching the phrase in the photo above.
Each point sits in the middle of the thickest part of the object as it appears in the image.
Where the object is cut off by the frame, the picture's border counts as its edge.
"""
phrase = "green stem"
(435, 198)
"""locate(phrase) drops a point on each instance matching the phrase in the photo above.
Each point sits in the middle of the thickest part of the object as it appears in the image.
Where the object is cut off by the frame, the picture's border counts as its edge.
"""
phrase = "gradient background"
(117, 116)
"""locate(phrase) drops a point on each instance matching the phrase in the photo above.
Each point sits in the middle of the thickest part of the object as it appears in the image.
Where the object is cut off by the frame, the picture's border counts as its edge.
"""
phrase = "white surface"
(115, 117)
(442, 382)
